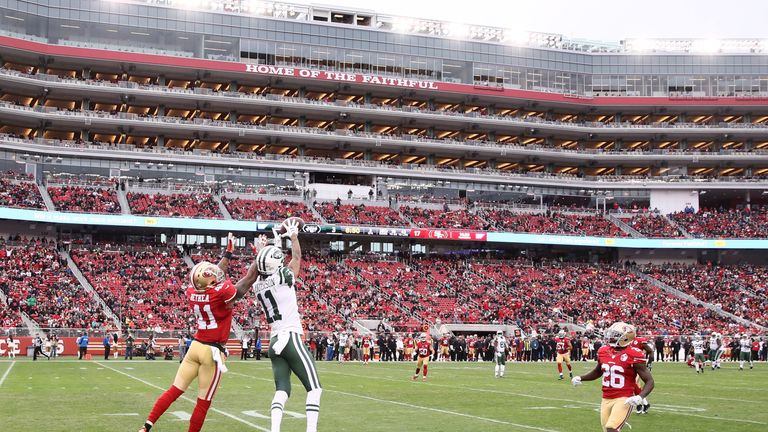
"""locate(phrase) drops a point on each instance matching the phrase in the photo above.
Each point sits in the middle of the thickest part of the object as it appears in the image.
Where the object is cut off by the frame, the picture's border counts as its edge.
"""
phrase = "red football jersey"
(423, 348)
(444, 342)
(618, 372)
(755, 346)
(214, 317)
(408, 342)
(366, 343)
(563, 345)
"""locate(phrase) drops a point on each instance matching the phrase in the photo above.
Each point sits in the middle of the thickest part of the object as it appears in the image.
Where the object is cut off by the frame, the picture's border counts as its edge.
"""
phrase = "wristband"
(228, 255)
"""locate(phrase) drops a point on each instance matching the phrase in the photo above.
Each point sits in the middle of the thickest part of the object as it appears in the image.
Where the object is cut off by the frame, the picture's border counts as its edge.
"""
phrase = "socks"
(417, 372)
(425, 371)
(560, 368)
(569, 367)
(163, 402)
(198, 415)
(501, 370)
(276, 412)
(496, 370)
(313, 409)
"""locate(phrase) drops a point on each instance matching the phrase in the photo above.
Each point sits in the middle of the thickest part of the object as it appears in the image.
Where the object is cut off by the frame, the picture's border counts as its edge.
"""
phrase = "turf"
(67, 395)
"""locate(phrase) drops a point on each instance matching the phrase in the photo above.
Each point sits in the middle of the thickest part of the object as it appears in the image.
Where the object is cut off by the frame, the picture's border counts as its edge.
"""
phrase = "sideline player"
(618, 364)
(366, 349)
(698, 353)
(500, 354)
(424, 352)
(211, 298)
(275, 290)
(564, 347)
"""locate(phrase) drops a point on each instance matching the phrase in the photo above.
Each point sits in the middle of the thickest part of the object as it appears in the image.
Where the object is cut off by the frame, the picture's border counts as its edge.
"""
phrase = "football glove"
(634, 401)
(291, 228)
(576, 381)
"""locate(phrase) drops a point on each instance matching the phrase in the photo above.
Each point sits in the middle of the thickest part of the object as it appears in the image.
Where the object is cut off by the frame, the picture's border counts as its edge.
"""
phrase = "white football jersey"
(343, 340)
(501, 345)
(277, 296)
(746, 344)
(698, 346)
(714, 343)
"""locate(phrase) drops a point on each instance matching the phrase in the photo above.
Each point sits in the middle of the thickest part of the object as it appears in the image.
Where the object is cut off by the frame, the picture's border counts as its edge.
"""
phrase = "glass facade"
(342, 47)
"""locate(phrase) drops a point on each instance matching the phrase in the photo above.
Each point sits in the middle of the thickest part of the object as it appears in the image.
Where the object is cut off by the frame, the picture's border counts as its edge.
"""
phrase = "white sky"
(589, 19)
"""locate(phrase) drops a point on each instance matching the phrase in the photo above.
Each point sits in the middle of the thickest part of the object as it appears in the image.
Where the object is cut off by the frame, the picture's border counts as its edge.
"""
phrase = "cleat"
(646, 408)
(561, 378)
(570, 374)
(424, 379)
(414, 377)
(639, 409)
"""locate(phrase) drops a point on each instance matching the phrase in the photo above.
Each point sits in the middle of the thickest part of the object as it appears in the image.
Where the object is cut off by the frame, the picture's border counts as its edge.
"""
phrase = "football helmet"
(697, 337)
(423, 337)
(561, 334)
(499, 333)
(269, 260)
(205, 275)
(620, 335)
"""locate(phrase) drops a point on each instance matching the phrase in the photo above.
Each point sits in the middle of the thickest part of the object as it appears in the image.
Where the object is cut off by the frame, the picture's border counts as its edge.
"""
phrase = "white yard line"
(7, 371)
(420, 408)
(226, 414)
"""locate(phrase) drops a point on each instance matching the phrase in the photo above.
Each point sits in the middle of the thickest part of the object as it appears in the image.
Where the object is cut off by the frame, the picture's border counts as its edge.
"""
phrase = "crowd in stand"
(724, 223)
(553, 223)
(144, 286)
(175, 205)
(445, 218)
(266, 210)
(39, 283)
(654, 226)
(18, 190)
(739, 289)
(360, 214)
(82, 199)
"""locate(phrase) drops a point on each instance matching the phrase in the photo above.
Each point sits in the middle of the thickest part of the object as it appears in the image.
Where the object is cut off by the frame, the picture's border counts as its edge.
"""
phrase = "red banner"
(438, 234)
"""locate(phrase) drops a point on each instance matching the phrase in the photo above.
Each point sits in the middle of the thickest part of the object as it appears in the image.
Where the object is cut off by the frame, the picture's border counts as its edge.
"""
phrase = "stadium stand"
(724, 223)
(175, 205)
(266, 210)
(17, 190)
(81, 199)
(143, 285)
(39, 284)
(654, 226)
(360, 214)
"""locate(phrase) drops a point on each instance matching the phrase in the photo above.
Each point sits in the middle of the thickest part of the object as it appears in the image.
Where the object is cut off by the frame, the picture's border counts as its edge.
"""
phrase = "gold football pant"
(614, 413)
(198, 363)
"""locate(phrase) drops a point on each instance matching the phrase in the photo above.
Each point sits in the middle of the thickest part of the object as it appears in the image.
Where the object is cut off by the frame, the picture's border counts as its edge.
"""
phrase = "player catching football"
(618, 364)
(210, 298)
(275, 290)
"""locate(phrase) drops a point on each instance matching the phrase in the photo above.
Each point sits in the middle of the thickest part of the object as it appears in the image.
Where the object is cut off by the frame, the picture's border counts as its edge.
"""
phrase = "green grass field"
(67, 395)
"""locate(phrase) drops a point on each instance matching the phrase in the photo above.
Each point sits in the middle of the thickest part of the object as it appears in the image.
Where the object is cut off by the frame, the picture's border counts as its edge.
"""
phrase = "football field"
(97, 395)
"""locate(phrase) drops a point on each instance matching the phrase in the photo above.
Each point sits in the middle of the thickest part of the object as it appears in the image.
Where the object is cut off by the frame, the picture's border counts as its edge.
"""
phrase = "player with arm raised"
(275, 290)
(564, 347)
(618, 364)
(211, 297)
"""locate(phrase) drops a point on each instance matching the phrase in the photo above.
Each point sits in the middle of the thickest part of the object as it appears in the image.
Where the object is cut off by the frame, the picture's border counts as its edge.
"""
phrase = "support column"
(367, 98)
(749, 145)
(302, 121)
(368, 126)
(85, 104)
(618, 144)
(160, 141)
(748, 199)
(232, 146)
(683, 143)
(161, 80)
(86, 72)
(302, 92)
(233, 116)
(233, 87)
(368, 155)
(302, 150)
(619, 170)
(161, 110)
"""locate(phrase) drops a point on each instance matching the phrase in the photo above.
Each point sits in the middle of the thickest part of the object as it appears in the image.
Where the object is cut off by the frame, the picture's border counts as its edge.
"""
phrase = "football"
(281, 228)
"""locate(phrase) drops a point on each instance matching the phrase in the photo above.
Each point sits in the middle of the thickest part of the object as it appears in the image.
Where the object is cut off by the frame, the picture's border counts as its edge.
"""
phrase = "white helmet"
(205, 274)
(499, 333)
(423, 337)
(269, 260)
(561, 334)
(620, 335)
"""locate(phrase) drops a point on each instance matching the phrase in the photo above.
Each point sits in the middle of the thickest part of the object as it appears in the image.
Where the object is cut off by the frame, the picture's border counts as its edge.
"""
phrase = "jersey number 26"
(613, 376)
